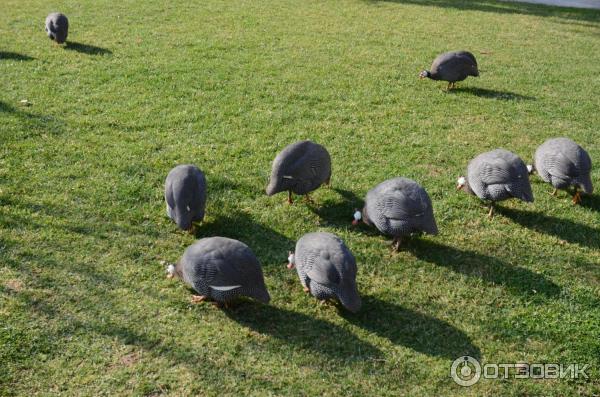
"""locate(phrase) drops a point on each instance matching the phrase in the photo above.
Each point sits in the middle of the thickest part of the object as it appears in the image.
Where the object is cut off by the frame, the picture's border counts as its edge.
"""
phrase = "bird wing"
(224, 265)
(169, 193)
(453, 66)
(496, 171)
(323, 267)
(559, 165)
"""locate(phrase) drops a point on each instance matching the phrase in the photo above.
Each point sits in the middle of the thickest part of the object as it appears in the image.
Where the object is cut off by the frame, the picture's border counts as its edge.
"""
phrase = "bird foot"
(306, 289)
(198, 299)
(491, 213)
(577, 198)
(308, 199)
(396, 244)
(554, 192)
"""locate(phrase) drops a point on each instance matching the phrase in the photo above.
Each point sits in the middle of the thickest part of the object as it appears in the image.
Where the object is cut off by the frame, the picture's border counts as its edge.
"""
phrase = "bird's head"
(530, 169)
(291, 260)
(357, 217)
(172, 271)
(424, 74)
(461, 182)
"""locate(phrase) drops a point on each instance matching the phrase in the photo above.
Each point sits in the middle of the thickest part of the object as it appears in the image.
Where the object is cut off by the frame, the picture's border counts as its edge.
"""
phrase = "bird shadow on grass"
(339, 213)
(32, 123)
(409, 328)
(491, 94)
(268, 245)
(485, 267)
(86, 48)
(591, 201)
(304, 331)
(14, 56)
(564, 229)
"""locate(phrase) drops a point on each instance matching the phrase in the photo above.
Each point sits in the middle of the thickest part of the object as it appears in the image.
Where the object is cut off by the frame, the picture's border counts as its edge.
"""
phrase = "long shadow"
(562, 228)
(412, 329)
(34, 122)
(502, 7)
(86, 48)
(14, 56)
(340, 213)
(492, 94)
(304, 331)
(591, 202)
(268, 245)
(485, 267)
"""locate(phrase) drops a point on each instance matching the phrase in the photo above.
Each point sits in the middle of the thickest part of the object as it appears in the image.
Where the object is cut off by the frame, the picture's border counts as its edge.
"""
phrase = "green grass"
(85, 308)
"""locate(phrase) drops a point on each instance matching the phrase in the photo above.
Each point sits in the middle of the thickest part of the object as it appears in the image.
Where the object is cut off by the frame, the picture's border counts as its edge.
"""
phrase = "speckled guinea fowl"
(221, 269)
(185, 194)
(563, 163)
(57, 27)
(452, 67)
(495, 176)
(326, 268)
(300, 168)
(398, 207)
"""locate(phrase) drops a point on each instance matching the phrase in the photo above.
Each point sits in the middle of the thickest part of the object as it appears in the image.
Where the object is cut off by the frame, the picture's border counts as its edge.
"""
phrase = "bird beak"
(458, 187)
(354, 222)
(169, 275)
(290, 266)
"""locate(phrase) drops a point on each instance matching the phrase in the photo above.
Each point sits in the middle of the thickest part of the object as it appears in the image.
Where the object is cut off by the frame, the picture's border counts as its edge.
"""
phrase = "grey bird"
(326, 268)
(563, 163)
(452, 67)
(300, 168)
(495, 176)
(398, 207)
(185, 194)
(220, 269)
(57, 27)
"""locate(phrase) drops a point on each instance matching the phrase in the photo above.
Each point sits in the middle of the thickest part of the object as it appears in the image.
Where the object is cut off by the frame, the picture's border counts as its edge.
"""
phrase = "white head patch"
(529, 168)
(171, 270)
(357, 215)
(291, 258)
(461, 181)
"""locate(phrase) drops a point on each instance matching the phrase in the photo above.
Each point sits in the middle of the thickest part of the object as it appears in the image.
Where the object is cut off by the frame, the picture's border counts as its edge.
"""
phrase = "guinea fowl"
(57, 27)
(326, 268)
(452, 67)
(221, 269)
(495, 176)
(564, 163)
(398, 207)
(300, 168)
(185, 194)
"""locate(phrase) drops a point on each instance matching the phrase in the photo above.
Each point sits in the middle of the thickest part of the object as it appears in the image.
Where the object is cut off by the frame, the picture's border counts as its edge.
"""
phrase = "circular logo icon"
(465, 371)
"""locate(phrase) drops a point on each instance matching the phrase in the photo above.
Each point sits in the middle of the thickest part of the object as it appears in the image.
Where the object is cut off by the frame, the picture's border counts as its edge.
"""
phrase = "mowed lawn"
(85, 307)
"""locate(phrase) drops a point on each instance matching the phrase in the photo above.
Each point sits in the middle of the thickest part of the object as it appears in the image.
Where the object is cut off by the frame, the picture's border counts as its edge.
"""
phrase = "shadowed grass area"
(85, 307)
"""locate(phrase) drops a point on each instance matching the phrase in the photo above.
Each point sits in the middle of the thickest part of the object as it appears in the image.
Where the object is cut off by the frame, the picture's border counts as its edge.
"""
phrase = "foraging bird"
(221, 269)
(564, 163)
(57, 27)
(326, 268)
(185, 194)
(495, 176)
(398, 207)
(300, 168)
(452, 67)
